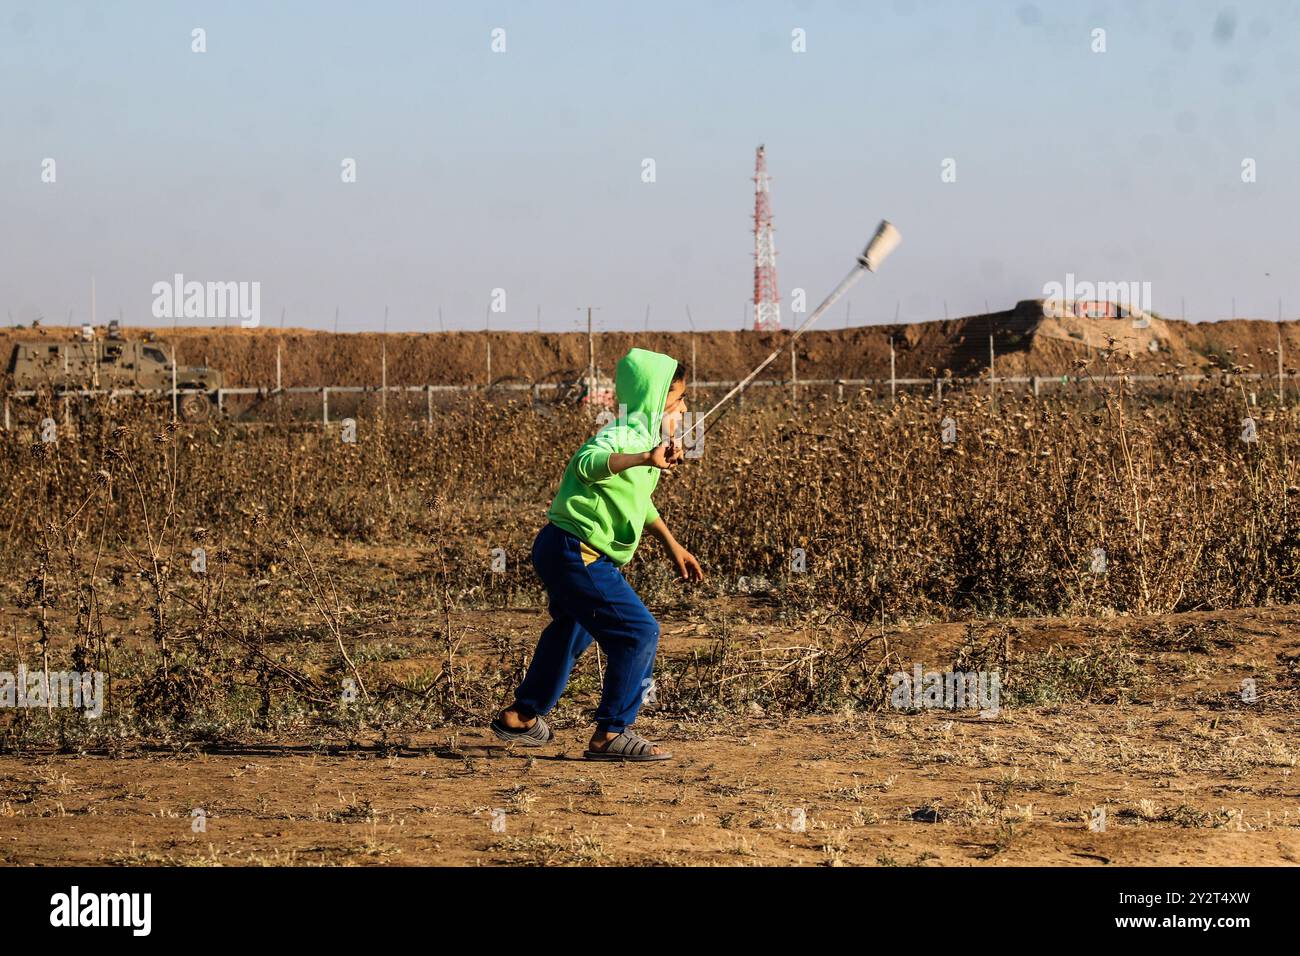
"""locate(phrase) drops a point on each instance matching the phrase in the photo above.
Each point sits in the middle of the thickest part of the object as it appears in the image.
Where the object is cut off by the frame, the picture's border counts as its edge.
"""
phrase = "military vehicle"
(569, 387)
(113, 363)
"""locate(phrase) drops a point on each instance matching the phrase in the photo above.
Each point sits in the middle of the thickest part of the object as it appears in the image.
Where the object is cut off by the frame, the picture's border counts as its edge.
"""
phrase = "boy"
(596, 522)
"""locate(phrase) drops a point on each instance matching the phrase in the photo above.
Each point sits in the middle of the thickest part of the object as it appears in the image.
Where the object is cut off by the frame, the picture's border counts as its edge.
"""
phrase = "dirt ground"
(1188, 774)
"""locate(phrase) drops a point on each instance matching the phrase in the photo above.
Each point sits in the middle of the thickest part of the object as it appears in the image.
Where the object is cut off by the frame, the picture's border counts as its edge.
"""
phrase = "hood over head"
(641, 386)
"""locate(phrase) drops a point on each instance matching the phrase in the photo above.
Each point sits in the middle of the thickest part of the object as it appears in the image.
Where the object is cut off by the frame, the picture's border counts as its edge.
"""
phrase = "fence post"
(694, 390)
(428, 400)
(993, 395)
(892, 380)
(383, 379)
(794, 377)
(279, 396)
(1035, 386)
(1280, 393)
(325, 404)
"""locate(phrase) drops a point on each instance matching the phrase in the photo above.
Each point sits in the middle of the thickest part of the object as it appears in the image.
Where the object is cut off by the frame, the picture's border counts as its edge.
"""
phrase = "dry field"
(319, 691)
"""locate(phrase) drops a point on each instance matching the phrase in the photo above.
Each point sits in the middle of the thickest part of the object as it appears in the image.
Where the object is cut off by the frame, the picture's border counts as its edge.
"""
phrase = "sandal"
(629, 747)
(537, 735)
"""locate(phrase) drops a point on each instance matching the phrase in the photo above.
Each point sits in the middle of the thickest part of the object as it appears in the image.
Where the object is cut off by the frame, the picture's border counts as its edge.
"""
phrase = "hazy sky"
(522, 170)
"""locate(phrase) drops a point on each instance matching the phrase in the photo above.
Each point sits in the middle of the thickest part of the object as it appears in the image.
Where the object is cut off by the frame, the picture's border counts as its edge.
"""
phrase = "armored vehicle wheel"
(195, 407)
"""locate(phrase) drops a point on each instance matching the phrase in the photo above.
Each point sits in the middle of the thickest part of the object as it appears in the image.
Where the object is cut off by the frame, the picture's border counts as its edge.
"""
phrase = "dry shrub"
(1007, 519)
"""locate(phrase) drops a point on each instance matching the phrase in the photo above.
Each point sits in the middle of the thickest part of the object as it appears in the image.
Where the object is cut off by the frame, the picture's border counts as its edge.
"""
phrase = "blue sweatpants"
(589, 601)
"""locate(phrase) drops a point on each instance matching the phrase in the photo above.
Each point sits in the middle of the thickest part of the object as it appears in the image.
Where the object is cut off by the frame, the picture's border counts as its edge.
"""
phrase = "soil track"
(1188, 774)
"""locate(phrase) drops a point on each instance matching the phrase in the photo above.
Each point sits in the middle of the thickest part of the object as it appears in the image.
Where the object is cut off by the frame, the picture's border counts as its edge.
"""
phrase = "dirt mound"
(1024, 343)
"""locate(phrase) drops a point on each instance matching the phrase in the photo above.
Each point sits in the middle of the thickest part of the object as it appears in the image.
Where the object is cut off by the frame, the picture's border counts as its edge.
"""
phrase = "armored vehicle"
(113, 363)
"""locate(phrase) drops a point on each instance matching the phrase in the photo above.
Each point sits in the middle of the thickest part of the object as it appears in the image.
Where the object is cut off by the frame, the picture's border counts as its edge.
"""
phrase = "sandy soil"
(1188, 774)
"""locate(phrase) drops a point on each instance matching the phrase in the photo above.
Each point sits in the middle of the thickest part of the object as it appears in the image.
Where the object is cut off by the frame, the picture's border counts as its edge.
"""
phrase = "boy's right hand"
(666, 456)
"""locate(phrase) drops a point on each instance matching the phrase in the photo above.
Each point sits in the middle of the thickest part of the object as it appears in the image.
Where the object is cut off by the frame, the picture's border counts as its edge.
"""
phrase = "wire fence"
(970, 359)
(327, 404)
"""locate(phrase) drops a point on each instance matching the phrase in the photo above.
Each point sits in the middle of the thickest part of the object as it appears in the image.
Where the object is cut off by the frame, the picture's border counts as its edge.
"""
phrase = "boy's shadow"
(493, 749)
(490, 749)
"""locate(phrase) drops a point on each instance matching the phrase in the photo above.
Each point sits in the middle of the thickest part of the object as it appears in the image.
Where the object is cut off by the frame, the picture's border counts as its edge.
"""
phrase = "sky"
(1007, 148)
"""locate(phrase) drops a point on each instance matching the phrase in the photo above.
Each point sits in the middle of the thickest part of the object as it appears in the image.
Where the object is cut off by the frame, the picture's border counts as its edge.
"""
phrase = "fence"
(1036, 383)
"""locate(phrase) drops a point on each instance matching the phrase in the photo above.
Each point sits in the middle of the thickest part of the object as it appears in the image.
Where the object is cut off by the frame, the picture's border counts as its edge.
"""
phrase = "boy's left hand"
(687, 567)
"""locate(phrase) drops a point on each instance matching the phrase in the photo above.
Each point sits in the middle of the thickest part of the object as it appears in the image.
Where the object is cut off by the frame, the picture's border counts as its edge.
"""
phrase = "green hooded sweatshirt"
(608, 511)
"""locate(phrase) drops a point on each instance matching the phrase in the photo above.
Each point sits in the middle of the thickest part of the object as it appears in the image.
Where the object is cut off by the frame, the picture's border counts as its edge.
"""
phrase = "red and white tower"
(767, 301)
